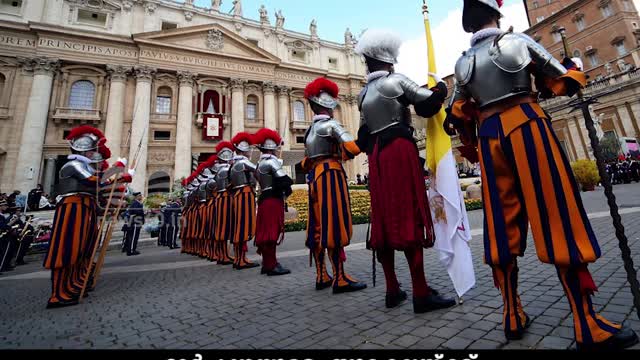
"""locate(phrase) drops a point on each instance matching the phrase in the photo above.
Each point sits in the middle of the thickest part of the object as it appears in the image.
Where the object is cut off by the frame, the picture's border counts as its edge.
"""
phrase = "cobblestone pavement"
(164, 299)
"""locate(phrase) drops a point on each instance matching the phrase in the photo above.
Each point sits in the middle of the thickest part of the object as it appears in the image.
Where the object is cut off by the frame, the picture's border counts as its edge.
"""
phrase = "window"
(557, 37)
(162, 135)
(580, 24)
(606, 11)
(252, 107)
(254, 42)
(91, 18)
(539, 18)
(299, 111)
(626, 4)
(168, 25)
(299, 55)
(549, 2)
(622, 50)
(65, 134)
(163, 100)
(593, 59)
(82, 95)
(577, 53)
(299, 139)
(11, 6)
(333, 63)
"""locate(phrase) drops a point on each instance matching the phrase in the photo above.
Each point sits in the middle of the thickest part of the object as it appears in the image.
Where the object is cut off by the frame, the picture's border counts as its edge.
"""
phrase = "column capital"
(149, 7)
(127, 5)
(284, 90)
(186, 78)
(118, 72)
(268, 87)
(237, 84)
(352, 99)
(40, 65)
(144, 73)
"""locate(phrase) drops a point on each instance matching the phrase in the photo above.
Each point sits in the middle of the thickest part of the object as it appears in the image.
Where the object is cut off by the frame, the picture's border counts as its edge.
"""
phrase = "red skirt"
(400, 215)
(270, 222)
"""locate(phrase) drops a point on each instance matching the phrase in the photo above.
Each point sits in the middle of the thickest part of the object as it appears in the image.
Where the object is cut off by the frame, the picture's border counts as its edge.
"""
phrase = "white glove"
(131, 172)
(436, 77)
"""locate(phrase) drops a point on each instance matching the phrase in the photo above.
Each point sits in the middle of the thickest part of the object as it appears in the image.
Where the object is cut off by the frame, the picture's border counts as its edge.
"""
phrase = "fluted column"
(35, 123)
(270, 121)
(237, 106)
(283, 120)
(49, 177)
(183, 132)
(140, 126)
(115, 108)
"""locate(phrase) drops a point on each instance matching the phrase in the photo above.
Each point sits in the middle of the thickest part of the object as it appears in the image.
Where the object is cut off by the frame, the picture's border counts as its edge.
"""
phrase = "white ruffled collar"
(267, 156)
(321, 117)
(80, 158)
(485, 33)
(377, 75)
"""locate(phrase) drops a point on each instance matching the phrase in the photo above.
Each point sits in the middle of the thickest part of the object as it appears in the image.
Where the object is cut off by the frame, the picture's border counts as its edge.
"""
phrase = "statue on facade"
(264, 15)
(237, 8)
(313, 28)
(597, 122)
(279, 20)
(215, 5)
(609, 69)
(348, 38)
(622, 66)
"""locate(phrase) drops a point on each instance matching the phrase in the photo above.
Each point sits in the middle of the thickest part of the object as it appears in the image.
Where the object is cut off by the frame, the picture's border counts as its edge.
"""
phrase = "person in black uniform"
(136, 221)
(7, 235)
(28, 233)
(163, 226)
(171, 215)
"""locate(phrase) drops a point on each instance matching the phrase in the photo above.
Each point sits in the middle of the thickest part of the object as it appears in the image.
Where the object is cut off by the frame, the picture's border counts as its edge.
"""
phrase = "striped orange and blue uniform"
(244, 215)
(209, 229)
(527, 179)
(223, 225)
(74, 230)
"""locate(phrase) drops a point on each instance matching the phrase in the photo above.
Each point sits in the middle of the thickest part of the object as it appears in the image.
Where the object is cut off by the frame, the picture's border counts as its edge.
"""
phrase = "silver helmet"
(381, 45)
(86, 142)
(225, 154)
(325, 100)
(243, 146)
(269, 145)
(466, 17)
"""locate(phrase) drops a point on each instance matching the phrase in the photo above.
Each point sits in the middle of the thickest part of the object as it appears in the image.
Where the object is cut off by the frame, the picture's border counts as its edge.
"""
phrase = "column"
(149, 17)
(49, 175)
(183, 129)
(359, 167)
(237, 106)
(283, 120)
(140, 126)
(115, 108)
(53, 11)
(270, 121)
(625, 119)
(35, 123)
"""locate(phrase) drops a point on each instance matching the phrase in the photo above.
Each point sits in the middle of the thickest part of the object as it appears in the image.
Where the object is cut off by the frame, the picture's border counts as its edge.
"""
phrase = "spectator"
(359, 179)
(33, 199)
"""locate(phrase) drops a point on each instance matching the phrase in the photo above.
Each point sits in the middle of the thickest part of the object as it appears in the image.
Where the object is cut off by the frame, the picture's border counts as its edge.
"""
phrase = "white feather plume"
(377, 43)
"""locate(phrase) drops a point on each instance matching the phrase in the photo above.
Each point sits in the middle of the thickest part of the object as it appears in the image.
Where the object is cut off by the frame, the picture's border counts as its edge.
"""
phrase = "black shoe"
(222, 262)
(623, 339)
(136, 253)
(246, 266)
(518, 334)
(430, 303)
(61, 304)
(354, 286)
(278, 271)
(129, 254)
(324, 285)
(393, 300)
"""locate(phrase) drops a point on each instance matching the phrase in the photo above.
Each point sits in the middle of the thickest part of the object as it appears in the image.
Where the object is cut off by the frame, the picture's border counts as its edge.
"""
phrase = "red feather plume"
(104, 166)
(104, 151)
(225, 144)
(85, 129)
(243, 136)
(321, 85)
(211, 160)
(184, 182)
(263, 134)
(499, 3)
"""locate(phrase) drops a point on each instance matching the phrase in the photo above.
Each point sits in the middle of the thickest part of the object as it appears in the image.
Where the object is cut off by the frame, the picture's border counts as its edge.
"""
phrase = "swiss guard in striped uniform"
(400, 215)
(275, 186)
(224, 210)
(526, 177)
(329, 226)
(211, 193)
(75, 222)
(243, 183)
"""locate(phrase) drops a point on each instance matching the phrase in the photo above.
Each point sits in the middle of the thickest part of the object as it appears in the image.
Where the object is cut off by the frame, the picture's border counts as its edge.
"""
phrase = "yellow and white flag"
(450, 221)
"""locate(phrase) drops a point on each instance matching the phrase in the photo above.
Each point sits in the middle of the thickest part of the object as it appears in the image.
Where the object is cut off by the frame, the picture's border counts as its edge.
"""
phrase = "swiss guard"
(75, 223)
(329, 227)
(400, 214)
(223, 204)
(526, 177)
(275, 187)
(244, 199)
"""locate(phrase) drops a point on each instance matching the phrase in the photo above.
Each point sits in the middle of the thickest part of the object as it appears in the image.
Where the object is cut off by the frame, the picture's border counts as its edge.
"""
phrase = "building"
(165, 80)
(605, 35)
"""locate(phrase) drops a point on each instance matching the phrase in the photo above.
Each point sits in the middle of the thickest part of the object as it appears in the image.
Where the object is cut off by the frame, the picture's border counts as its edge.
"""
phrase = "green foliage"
(586, 173)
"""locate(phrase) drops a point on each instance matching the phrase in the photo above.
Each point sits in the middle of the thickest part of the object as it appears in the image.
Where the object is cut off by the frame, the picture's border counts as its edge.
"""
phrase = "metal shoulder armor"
(510, 52)
(76, 169)
(338, 132)
(396, 85)
(545, 62)
(465, 66)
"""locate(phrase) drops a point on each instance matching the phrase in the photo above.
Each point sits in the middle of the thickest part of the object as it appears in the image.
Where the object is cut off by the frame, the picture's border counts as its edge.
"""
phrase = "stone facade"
(148, 73)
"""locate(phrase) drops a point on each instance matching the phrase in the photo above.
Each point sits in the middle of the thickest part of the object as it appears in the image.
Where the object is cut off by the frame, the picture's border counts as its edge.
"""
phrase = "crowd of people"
(624, 170)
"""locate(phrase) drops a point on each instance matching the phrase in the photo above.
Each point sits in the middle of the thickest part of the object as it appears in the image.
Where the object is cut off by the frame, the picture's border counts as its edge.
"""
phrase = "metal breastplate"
(265, 175)
(382, 110)
(492, 76)
(202, 192)
(71, 177)
(222, 177)
(318, 141)
(241, 174)
(212, 188)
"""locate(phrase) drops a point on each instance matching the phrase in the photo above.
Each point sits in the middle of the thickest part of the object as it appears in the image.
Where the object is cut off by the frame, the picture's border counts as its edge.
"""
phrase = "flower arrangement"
(586, 172)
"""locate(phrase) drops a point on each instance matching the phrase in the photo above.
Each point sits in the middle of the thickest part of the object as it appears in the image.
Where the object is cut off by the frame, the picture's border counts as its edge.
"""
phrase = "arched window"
(159, 182)
(2, 82)
(82, 95)
(577, 53)
(252, 107)
(163, 100)
(299, 111)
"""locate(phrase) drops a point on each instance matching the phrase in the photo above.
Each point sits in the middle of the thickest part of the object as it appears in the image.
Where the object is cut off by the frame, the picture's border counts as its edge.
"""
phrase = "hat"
(493, 4)
(137, 193)
(267, 139)
(381, 45)
(243, 141)
(225, 151)
(4, 203)
(85, 138)
(323, 92)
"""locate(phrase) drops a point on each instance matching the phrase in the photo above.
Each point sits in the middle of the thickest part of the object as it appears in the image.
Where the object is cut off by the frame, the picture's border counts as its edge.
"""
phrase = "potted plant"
(586, 173)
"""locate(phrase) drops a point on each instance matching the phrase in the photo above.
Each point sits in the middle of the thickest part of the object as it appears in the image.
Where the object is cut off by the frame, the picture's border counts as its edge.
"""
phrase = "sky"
(402, 16)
